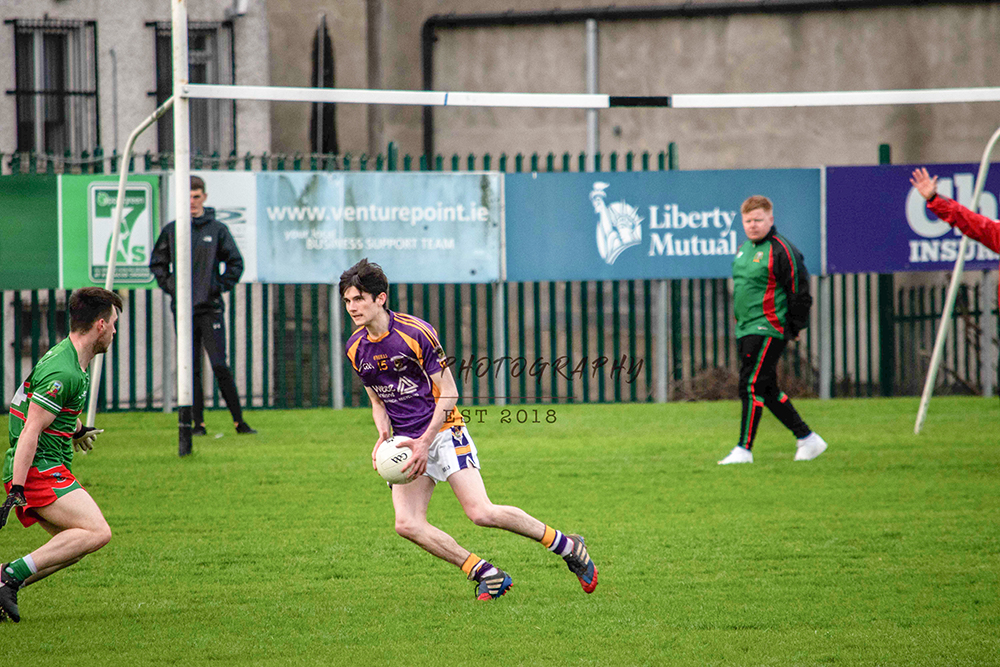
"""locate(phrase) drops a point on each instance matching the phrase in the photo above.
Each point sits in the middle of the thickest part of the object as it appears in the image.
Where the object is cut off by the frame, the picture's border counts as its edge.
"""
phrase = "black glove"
(14, 499)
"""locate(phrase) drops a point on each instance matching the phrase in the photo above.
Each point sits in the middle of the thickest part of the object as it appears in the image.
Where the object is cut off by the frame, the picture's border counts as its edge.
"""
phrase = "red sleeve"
(973, 225)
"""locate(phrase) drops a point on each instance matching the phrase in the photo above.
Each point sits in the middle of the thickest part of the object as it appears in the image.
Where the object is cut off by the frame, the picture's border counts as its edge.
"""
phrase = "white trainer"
(738, 455)
(809, 447)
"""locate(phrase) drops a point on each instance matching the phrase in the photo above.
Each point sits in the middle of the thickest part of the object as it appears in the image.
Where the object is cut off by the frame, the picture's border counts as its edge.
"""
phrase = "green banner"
(29, 241)
(86, 225)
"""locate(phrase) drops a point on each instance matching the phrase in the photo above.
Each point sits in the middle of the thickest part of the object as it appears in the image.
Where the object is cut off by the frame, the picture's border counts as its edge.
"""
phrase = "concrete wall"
(292, 26)
(935, 45)
(121, 26)
(377, 45)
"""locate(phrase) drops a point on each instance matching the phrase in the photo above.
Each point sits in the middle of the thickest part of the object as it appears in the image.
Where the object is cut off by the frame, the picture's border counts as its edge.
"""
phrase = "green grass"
(279, 548)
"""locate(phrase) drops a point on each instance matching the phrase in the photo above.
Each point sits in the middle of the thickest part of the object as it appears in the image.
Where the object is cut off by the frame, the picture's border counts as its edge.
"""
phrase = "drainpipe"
(593, 132)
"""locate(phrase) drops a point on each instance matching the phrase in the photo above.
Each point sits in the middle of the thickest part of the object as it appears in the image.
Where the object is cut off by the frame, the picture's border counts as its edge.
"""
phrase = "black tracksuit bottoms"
(759, 357)
(209, 331)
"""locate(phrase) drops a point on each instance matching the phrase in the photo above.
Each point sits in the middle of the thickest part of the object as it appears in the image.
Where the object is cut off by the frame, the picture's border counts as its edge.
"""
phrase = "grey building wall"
(292, 26)
(377, 45)
(927, 46)
(121, 26)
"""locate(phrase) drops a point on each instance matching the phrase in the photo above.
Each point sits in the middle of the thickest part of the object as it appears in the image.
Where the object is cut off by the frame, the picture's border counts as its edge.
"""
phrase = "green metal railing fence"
(280, 335)
(279, 342)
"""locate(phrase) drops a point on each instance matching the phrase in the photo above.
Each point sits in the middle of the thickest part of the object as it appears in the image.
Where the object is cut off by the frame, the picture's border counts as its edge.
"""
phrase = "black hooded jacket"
(211, 246)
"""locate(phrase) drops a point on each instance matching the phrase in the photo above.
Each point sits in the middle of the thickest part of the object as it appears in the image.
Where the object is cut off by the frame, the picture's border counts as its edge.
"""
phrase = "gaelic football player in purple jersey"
(413, 394)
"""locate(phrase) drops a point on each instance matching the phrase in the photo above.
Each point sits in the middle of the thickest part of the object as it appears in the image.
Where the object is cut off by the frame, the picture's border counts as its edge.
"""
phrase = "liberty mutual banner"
(877, 222)
(638, 225)
(421, 227)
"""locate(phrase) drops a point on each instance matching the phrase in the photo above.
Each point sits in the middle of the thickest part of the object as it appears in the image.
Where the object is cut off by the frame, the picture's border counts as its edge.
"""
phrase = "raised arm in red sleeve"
(975, 226)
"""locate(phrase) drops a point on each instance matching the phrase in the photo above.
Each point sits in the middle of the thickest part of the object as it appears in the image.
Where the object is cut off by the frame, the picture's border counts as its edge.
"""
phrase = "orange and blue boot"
(493, 586)
(580, 564)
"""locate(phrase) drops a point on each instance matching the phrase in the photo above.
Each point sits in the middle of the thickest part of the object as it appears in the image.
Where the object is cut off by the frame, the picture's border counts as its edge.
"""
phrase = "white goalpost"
(949, 305)
(96, 364)
(183, 91)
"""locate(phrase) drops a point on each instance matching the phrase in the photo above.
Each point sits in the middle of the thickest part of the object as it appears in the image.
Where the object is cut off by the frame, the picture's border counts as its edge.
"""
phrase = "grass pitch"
(279, 549)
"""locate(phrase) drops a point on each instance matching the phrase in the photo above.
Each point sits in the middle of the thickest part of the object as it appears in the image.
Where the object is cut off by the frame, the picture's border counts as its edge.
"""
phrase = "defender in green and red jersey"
(59, 385)
(44, 429)
(771, 302)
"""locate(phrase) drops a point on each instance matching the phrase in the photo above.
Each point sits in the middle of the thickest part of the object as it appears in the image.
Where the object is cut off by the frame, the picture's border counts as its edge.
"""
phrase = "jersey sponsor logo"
(619, 226)
(407, 386)
(386, 392)
(54, 389)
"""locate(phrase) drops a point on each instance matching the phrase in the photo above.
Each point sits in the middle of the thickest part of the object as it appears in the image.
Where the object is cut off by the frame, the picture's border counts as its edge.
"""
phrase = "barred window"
(210, 60)
(56, 85)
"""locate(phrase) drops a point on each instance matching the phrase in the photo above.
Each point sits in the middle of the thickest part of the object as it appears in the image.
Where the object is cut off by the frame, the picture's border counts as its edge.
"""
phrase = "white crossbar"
(410, 97)
(833, 98)
(592, 101)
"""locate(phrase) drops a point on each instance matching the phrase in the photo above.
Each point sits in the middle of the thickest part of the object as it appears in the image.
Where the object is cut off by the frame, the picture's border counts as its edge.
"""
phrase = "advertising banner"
(233, 196)
(86, 225)
(877, 222)
(29, 235)
(420, 227)
(637, 225)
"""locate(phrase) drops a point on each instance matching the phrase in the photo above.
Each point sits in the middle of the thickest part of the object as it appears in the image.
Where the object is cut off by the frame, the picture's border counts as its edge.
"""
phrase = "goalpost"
(183, 91)
(96, 364)
(949, 305)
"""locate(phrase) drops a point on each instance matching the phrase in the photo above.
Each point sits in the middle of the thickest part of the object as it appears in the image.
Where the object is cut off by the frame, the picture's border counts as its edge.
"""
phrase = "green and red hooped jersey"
(59, 385)
(770, 288)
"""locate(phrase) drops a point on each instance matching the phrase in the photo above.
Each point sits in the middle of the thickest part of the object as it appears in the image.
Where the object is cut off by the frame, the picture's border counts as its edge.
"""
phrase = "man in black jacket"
(211, 245)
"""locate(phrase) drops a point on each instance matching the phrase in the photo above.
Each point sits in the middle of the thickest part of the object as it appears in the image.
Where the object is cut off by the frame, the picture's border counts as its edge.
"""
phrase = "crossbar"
(593, 101)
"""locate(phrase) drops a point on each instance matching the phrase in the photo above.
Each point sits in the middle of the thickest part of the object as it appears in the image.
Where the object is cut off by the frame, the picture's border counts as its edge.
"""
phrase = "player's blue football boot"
(580, 564)
(494, 586)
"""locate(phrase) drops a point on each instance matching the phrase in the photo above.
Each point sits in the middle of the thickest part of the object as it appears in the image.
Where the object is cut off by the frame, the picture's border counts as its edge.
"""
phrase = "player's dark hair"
(367, 276)
(89, 304)
(198, 184)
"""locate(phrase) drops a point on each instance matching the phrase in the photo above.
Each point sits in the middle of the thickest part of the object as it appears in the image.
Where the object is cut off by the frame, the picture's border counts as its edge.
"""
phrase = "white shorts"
(451, 451)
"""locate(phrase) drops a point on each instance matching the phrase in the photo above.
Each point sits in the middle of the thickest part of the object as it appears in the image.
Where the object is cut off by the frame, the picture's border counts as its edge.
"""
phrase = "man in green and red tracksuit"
(975, 226)
(771, 302)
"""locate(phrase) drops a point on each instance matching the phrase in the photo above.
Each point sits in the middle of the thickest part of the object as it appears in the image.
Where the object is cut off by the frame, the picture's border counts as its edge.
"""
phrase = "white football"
(390, 460)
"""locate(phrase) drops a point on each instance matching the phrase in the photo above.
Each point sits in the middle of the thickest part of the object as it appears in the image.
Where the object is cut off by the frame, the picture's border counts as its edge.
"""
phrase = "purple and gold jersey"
(398, 367)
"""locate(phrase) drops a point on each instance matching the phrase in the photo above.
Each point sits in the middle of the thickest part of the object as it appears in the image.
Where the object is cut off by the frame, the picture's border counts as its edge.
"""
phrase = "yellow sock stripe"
(471, 562)
(548, 537)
